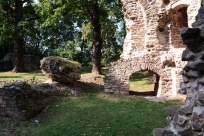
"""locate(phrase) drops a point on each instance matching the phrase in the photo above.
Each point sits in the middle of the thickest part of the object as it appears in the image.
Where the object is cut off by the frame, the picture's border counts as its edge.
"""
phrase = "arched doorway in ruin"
(144, 83)
(117, 79)
(167, 74)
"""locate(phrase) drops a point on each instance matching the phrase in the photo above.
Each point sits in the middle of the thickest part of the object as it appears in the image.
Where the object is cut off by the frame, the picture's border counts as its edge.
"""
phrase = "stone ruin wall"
(188, 119)
(152, 43)
(31, 62)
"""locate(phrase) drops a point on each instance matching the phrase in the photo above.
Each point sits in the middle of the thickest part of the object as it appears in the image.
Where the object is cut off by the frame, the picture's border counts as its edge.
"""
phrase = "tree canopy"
(88, 31)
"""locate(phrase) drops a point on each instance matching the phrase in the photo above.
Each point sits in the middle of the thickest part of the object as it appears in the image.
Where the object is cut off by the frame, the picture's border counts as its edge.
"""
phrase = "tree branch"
(31, 19)
(88, 11)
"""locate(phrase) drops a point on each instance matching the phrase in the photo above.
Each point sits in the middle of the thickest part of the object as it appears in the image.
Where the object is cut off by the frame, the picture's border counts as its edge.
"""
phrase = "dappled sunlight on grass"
(21, 76)
(40, 76)
(93, 112)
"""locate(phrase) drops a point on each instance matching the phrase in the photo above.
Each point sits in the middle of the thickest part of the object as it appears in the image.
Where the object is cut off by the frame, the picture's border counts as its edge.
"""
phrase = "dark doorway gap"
(154, 91)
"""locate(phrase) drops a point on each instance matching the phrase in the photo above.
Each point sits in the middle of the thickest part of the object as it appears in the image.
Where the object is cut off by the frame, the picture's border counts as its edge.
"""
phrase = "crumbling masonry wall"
(152, 43)
(188, 119)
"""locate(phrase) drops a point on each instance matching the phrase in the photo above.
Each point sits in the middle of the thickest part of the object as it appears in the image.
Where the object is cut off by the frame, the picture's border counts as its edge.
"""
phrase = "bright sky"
(36, 1)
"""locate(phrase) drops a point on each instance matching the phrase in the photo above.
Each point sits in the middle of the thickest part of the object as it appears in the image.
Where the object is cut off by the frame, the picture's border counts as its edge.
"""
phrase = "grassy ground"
(30, 77)
(26, 76)
(141, 81)
(99, 115)
(92, 113)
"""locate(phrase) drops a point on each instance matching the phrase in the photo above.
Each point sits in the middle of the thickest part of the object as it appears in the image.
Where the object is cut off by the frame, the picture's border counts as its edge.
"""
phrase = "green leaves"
(69, 50)
(87, 31)
(51, 25)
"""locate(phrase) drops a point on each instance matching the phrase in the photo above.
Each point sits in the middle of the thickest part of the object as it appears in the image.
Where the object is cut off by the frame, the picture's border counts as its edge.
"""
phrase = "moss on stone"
(66, 64)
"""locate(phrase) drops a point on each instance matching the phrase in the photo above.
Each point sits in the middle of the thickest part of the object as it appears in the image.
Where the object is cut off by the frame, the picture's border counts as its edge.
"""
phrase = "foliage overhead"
(64, 28)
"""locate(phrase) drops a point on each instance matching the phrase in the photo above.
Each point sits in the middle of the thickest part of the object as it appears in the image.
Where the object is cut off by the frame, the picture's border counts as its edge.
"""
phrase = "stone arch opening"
(144, 83)
(117, 80)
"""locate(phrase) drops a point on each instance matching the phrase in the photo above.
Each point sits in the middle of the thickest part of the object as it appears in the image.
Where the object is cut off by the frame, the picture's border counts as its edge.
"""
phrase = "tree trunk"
(18, 56)
(18, 40)
(97, 41)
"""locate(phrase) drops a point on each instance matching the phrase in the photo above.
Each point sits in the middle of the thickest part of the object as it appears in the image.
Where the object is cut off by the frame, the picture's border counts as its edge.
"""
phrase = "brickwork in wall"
(152, 43)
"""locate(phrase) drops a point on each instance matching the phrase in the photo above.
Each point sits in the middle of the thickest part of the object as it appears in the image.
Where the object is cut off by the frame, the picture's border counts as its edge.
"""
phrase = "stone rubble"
(21, 101)
(18, 101)
(61, 70)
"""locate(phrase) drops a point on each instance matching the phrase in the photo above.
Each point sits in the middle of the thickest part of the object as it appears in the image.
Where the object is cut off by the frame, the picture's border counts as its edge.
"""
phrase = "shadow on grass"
(100, 115)
(147, 93)
(87, 87)
(141, 75)
(35, 71)
(2, 77)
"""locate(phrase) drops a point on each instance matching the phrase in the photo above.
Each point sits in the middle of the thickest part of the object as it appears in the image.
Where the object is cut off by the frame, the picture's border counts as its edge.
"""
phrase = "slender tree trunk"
(97, 41)
(18, 40)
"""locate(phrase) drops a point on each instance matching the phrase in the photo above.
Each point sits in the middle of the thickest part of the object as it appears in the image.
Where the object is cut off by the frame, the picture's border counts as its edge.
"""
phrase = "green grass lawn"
(139, 81)
(22, 76)
(99, 114)
(94, 114)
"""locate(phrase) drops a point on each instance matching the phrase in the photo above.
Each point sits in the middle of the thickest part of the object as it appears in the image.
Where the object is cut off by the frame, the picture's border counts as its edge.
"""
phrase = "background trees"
(15, 17)
(88, 31)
